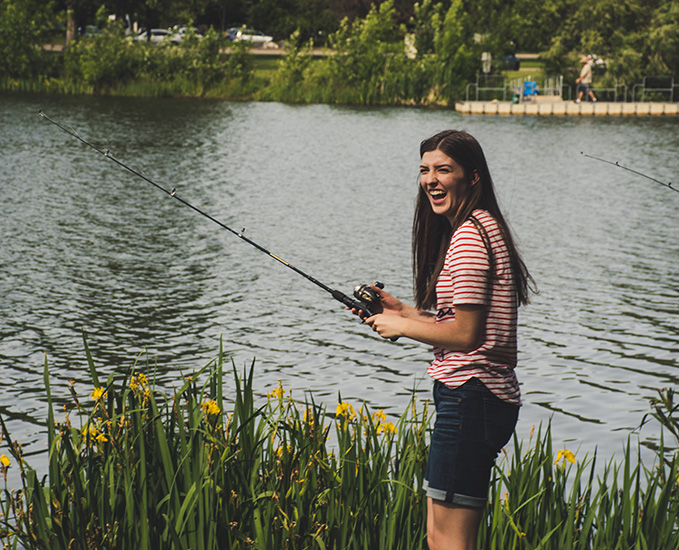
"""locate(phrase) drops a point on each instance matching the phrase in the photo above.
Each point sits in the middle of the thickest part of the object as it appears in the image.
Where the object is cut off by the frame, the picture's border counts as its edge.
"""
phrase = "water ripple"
(89, 247)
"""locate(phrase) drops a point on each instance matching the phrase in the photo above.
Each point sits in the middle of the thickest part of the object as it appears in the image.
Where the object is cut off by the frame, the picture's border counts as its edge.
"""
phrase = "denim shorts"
(472, 425)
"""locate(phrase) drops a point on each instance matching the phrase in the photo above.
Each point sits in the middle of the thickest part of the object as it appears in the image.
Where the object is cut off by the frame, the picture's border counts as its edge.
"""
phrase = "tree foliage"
(456, 51)
(385, 50)
(23, 25)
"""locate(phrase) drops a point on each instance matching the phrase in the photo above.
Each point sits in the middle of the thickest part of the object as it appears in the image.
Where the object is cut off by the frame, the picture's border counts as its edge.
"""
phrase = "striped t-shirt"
(466, 279)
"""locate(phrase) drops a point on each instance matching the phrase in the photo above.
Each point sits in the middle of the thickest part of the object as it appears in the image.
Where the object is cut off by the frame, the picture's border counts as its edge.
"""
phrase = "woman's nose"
(430, 178)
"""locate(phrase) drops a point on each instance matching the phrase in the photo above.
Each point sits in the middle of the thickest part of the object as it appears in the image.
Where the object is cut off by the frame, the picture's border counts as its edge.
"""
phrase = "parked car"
(258, 38)
(89, 30)
(510, 63)
(158, 35)
(183, 32)
(230, 34)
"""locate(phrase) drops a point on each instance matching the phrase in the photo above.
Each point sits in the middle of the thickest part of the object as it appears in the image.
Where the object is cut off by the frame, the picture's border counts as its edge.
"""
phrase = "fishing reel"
(370, 300)
(368, 297)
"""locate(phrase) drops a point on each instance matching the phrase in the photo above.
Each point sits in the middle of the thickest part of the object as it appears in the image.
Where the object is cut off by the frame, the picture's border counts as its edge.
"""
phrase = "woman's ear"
(475, 177)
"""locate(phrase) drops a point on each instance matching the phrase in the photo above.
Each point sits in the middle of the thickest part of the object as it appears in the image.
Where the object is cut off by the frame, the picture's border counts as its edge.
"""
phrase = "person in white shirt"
(584, 81)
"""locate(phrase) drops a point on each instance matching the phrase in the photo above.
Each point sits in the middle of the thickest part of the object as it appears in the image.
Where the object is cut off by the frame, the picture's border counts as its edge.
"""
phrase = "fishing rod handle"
(361, 309)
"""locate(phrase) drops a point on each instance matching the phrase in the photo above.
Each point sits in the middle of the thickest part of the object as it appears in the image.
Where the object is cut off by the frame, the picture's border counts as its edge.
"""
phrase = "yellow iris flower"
(211, 407)
(97, 393)
(566, 455)
(345, 409)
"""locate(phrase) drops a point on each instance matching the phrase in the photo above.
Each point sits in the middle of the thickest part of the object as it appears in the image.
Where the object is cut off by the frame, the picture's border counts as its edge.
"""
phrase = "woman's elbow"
(472, 340)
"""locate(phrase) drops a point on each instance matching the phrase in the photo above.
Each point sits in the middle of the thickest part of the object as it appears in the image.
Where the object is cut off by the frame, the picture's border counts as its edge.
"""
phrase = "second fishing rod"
(366, 301)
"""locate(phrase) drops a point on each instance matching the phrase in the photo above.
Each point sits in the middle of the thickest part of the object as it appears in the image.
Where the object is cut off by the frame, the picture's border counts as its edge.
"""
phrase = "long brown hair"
(432, 232)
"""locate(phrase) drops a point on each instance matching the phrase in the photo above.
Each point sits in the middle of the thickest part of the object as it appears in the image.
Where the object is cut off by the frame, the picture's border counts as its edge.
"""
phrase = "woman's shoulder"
(482, 216)
(486, 220)
(470, 230)
(477, 217)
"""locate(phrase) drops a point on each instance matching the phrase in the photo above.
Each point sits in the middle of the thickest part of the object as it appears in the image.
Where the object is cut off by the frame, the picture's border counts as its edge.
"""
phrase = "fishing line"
(368, 302)
(616, 163)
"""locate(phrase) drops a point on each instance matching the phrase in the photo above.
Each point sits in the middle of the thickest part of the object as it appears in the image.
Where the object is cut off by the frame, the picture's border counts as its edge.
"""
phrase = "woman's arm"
(464, 333)
(393, 306)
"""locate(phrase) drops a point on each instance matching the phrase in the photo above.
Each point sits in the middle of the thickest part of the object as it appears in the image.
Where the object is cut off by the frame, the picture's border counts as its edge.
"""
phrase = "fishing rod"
(367, 301)
(616, 163)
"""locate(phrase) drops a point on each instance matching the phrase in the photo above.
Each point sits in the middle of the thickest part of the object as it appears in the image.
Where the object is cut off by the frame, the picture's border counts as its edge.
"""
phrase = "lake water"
(87, 246)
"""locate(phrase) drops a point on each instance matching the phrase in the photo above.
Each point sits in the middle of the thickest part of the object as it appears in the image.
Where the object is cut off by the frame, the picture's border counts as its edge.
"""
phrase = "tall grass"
(212, 466)
(147, 470)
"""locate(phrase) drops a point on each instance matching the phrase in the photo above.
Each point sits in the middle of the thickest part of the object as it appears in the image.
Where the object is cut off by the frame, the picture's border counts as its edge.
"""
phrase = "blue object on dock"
(530, 88)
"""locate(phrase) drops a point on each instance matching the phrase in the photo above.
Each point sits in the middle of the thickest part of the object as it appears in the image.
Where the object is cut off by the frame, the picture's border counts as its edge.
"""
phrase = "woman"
(467, 268)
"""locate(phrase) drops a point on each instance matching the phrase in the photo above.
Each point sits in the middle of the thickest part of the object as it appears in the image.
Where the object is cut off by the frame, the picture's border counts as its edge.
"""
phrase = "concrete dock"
(567, 108)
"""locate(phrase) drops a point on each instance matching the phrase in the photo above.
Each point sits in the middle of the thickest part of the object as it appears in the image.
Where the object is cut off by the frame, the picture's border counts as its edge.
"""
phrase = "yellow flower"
(97, 393)
(278, 392)
(5, 461)
(379, 416)
(389, 428)
(95, 434)
(386, 427)
(345, 409)
(566, 455)
(281, 450)
(211, 407)
(139, 381)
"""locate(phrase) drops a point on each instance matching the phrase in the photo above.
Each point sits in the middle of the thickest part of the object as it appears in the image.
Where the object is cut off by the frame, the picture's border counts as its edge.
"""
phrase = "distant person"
(584, 81)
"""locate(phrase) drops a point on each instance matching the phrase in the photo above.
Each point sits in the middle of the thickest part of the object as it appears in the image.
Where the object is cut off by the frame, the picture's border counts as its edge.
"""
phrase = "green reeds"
(133, 467)
(539, 502)
(147, 470)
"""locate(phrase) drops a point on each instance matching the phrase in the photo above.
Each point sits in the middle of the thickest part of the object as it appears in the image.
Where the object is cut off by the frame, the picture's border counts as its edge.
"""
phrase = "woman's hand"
(386, 325)
(390, 304)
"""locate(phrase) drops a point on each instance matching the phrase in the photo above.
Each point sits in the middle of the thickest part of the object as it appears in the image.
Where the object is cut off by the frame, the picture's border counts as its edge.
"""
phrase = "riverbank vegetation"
(213, 465)
(395, 52)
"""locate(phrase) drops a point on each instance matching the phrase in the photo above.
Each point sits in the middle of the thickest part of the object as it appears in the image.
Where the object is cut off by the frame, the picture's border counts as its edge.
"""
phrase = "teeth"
(437, 193)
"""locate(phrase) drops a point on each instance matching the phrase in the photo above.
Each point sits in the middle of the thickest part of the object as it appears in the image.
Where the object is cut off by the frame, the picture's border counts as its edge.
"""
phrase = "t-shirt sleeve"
(467, 261)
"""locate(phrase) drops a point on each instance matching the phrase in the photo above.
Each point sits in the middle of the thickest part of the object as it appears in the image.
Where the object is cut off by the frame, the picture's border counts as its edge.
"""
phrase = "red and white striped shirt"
(466, 279)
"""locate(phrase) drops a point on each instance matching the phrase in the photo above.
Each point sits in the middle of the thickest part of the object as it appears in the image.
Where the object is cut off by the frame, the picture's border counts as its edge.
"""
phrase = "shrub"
(22, 26)
(103, 61)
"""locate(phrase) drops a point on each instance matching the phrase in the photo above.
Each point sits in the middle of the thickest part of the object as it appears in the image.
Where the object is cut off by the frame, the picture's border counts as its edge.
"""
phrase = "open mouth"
(437, 194)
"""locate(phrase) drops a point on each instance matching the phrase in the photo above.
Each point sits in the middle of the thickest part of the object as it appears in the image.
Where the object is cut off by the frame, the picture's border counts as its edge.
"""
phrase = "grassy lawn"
(265, 65)
(529, 68)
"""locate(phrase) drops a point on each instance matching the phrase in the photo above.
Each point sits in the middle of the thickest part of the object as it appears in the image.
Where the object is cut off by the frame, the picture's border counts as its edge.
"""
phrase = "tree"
(312, 18)
(23, 24)
(536, 22)
(426, 25)
(228, 13)
(635, 37)
(457, 53)
(663, 40)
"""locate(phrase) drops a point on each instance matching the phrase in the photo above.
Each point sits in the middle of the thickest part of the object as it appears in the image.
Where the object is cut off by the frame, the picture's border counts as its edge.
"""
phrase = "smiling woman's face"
(444, 182)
